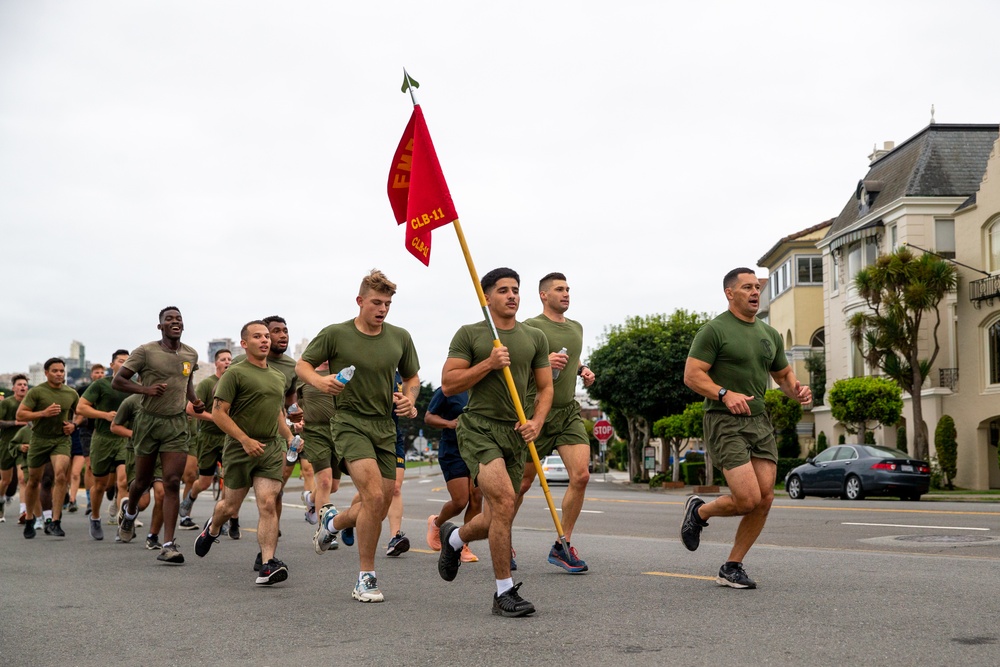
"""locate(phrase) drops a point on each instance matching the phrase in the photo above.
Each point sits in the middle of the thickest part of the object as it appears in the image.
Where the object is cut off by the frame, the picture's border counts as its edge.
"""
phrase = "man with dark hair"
(122, 428)
(729, 363)
(492, 442)
(564, 431)
(318, 408)
(249, 407)
(9, 455)
(362, 428)
(51, 406)
(166, 368)
(100, 402)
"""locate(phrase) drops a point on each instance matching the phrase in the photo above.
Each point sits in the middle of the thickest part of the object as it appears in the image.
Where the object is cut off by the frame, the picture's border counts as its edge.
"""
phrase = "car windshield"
(885, 452)
(553, 461)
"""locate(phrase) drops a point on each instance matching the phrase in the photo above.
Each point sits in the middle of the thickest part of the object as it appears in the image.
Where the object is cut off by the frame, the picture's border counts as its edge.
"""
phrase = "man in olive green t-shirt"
(490, 439)
(51, 406)
(729, 363)
(362, 429)
(9, 457)
(166, 368)
(249, 408)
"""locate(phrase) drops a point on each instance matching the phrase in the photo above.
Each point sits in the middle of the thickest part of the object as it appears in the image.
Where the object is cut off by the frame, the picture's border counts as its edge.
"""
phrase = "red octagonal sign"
(603, 430)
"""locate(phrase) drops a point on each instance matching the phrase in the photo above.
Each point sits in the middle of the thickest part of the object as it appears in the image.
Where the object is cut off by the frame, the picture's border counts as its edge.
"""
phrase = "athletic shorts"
(42, 450)
(153, 434)
(357, 437)
(733, 440)
(75, 444)
(318, 448)
(481, 440)
(86, 439)
(400, 451)
(240, 469)
(563, 426)
(8, 456)
(130, 465)
(451, 462)
(107, 452)
(209, 451)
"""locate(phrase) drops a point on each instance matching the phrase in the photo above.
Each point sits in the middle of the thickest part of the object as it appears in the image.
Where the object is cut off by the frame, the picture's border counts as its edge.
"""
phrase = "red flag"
(417, 190)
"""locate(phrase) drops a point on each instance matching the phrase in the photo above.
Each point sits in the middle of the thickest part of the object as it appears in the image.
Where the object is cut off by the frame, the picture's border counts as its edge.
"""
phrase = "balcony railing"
(948, 377)
(984, 289)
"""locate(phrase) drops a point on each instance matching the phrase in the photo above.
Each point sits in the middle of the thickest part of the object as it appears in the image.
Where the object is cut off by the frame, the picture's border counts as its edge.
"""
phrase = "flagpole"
(511, 388)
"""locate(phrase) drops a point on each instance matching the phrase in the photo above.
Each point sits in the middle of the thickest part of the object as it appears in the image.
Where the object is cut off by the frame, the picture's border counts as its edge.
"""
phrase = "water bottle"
(555, 371)
(293, 449)
(345, 375)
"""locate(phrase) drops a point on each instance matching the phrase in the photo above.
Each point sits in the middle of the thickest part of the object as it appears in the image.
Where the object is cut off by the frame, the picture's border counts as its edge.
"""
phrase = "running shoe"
(126, 526)
(96, 531)
(187, 523)
(170, 554)
(234, 529)
(185, 508)
(347, 536)
(109, 493)
(55, 529)
(398, 545)
(153, 542)
(73, 507)
(273, 572)
(366, 590)
(511, 604)
(258, 563)
(692, 524)
(29, 529)
(46, 527)
(205, 540)
(513, 560)
(90, 510)
(467, 555)
(450, 558)
(39, 524)
(3, 505)
(112, 514)
(433, 533)
(21, 518)
(734, 576)
(570, 563)
(324, 538)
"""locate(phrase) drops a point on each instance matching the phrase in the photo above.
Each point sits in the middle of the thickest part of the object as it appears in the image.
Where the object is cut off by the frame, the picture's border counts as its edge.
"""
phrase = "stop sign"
(603, 430)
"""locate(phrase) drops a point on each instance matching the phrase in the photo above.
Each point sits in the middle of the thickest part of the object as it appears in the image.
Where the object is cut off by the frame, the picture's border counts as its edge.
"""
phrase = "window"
(857, 362)
(859, 255)
(893, 238)
(781, 279)
(845, 454)
(994, 246)
(993, 350)
(810, 270)
(826, 455)
(834, 272)
(944, 238)
(818, 339)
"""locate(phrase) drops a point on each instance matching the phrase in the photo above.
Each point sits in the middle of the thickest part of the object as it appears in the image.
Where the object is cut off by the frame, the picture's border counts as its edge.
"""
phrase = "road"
(880, 582)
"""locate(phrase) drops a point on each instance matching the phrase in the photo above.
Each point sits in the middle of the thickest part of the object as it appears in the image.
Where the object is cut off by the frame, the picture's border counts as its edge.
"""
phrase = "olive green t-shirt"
(568, 334)
(375, 359)
(284, 363)
(22, 436)
(8, 413)
(742, 355)
(40, 397)
(128, 410)
(318, 407)
(155, 364)
(205, 391)
(528, 350)
(256, 397)
(103, 397)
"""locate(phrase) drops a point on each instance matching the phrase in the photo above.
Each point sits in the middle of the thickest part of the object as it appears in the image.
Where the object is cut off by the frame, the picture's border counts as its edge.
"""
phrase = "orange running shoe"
(467, 556)
(433, 534)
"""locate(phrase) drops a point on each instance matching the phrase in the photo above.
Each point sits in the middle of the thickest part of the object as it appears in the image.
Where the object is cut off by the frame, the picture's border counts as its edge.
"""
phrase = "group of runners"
(253, 409)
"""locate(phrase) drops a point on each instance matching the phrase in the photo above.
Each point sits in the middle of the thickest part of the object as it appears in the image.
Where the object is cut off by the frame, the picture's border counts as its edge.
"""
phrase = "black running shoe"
(55, 529)
(692, 524)
(153, 542)
(109, 493)
(234, 529)
(510, 604)
(734, 576)
(205, 539)
(273, 572)
(449, 558)
(187, 523)
(29, 529)
(398, 545)
(47, 527)
(258, 563)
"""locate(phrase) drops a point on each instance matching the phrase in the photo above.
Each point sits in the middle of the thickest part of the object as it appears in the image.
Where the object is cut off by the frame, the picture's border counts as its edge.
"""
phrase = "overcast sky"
(231, 158)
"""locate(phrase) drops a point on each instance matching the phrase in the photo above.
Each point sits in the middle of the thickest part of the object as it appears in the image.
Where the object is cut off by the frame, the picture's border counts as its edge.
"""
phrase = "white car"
(554, 469)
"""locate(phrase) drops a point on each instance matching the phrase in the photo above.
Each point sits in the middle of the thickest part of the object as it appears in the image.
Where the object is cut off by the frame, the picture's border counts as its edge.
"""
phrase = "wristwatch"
(722, 392)
(579, 371)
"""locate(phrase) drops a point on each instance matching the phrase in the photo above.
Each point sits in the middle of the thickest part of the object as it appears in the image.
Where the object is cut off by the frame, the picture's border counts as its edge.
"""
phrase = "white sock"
(364, 572)
(47, 514)
(128, 516)
(24, 508)
(309, 500)
(455, 541)
(504, 585)
(329, 524)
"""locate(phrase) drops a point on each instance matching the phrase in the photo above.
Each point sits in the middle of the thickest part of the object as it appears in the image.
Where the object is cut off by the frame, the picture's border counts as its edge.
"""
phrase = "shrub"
(693, 472)
(936, 476)
(947, 449)
(841, 439)
(658, 479)
(869, 437)
(901, 437)
(785, 465)
(821, 442)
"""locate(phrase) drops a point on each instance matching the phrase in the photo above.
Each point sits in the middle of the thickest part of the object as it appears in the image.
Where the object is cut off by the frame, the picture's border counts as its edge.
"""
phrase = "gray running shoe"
(170, 554)
(185, 508)
(366, 590)
(96, 531)
(323, 538)
(126, 526)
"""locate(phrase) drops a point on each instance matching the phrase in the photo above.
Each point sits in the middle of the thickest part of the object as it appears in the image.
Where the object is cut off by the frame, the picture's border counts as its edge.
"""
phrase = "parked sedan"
(855, 471)
(554, 469)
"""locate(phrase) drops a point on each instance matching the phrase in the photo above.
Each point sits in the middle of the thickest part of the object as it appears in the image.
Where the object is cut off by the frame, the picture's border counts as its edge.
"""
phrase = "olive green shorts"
(107, 452)
(732, 440)
(319, 449)
(209, 446)
(240, 469)
(481, 440)
(563, 426)
(153, 434)
(42, 450)
(130, 465)
(357, 437)
(8, 456)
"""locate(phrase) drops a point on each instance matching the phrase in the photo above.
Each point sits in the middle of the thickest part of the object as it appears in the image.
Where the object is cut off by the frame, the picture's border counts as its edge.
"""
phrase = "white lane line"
(903, 525)
(425, 481)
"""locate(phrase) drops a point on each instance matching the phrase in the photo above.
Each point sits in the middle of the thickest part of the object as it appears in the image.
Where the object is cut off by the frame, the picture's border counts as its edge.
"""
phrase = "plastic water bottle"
(556, 371)
(293, 449)
(345, 375)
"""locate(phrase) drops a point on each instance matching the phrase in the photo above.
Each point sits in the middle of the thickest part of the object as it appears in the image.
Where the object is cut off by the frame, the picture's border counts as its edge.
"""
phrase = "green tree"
(901, 435)
(900, 288)
(784, 414)
(816, 366)
(820, 442)
(864, 402)
(946, 446)
(673, 431)
(640, 375)
(411, 427)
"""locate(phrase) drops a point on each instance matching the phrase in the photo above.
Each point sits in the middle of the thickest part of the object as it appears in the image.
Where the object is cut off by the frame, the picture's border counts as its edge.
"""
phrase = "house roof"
(939, 161)
(793, 237)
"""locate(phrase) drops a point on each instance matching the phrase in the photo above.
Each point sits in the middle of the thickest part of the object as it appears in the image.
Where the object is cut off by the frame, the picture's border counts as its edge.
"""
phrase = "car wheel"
(794, 488)
(852, 488)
